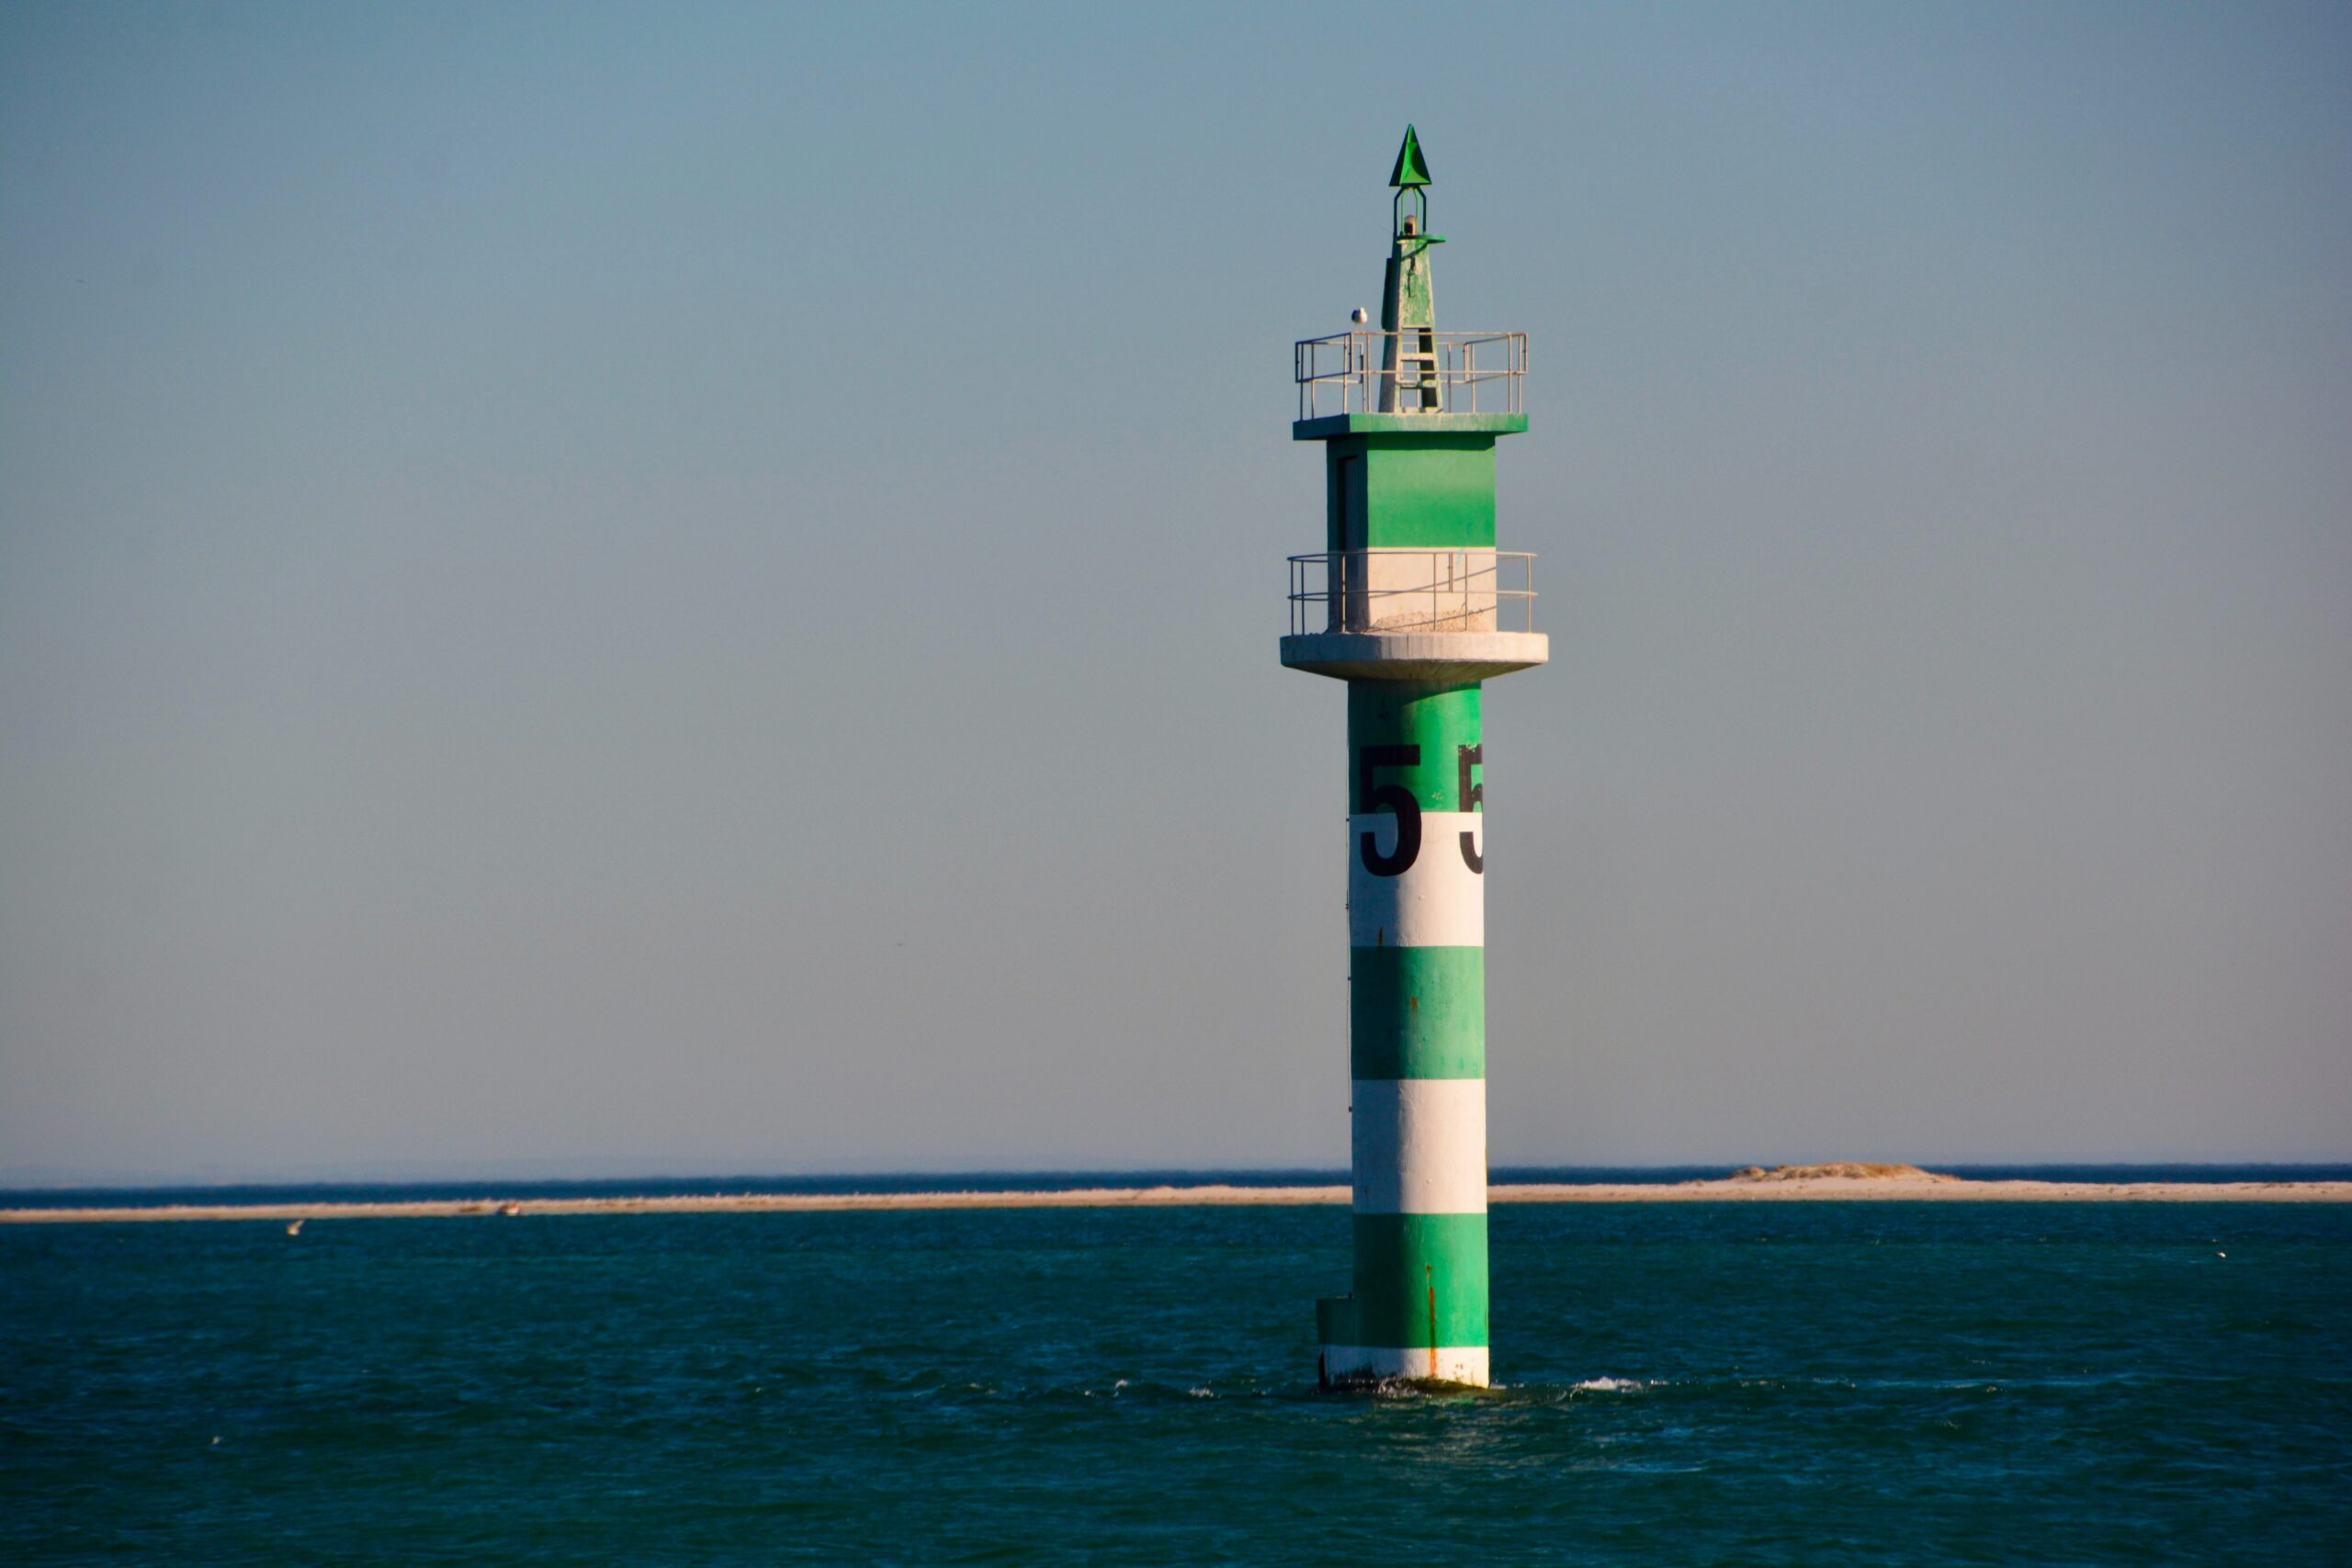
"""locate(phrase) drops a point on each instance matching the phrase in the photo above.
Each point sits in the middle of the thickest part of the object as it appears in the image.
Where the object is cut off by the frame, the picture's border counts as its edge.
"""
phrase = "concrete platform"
(1415, 656)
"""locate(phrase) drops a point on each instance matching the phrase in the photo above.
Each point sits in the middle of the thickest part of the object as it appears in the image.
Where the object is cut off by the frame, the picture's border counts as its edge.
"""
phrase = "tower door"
(1351, 505)
(1348, 607)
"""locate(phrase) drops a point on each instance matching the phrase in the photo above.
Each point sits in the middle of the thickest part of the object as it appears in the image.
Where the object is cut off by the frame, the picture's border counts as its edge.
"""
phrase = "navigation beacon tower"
(1410, 603)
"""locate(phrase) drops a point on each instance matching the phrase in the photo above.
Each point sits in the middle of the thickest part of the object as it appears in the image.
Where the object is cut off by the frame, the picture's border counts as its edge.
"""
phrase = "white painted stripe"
(1438, 901)
(1452, 1363)
(1420, 1145)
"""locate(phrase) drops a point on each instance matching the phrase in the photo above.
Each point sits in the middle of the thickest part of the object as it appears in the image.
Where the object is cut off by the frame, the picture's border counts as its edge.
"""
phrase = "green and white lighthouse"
(1412, 606)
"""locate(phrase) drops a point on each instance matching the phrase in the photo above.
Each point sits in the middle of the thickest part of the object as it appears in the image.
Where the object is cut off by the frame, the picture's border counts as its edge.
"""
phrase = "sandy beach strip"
(1936, 1189)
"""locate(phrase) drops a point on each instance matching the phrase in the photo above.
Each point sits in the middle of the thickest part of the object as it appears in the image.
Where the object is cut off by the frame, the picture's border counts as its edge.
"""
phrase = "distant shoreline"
(1768, 1188)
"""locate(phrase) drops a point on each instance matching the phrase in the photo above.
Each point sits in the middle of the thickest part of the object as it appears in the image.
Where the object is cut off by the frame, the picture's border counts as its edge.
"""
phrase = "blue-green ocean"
(1811, 1382)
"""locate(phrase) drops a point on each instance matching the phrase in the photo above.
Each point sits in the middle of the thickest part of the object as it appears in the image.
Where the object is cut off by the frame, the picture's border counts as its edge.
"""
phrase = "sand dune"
(1842, 1170)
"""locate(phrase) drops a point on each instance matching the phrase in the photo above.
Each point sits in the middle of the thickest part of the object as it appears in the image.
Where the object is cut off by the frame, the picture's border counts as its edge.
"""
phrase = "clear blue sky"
(630, 588)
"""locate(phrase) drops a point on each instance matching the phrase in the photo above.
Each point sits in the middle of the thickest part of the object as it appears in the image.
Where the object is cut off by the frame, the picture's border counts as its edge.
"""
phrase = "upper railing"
(1429, 372)
(1401, 591)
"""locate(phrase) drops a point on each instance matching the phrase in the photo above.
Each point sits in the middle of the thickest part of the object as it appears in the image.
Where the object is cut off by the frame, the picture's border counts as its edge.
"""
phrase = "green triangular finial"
(1411, 169)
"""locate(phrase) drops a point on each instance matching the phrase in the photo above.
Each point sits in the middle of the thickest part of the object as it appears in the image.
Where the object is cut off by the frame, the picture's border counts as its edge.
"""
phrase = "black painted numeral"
(1470, 797)
(1373, 794)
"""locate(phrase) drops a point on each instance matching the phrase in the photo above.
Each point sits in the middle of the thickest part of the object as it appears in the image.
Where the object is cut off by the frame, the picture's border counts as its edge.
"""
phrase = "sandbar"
(1782, 1184)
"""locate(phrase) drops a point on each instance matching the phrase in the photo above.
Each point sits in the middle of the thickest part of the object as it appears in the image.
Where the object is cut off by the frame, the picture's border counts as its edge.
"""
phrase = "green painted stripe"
(1417, 1012)
(1438, 719)
(1399, 1258)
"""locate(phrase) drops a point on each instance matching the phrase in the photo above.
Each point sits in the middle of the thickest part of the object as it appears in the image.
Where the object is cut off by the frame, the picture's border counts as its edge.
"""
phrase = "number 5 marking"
(1468, 795)
(1397, 798)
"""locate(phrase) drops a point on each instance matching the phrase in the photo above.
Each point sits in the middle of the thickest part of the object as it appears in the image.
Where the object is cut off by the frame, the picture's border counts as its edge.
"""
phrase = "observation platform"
(1413, 615)
(1422, 615)
(1325, 426)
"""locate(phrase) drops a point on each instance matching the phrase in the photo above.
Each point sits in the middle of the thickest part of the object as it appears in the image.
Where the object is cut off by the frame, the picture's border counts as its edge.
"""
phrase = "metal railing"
(1409, 371)
(1413, 591)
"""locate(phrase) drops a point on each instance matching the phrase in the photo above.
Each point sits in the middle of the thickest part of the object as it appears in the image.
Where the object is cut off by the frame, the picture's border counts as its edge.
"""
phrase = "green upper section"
(1416, 478)
(1435, 491)
(1411, 169)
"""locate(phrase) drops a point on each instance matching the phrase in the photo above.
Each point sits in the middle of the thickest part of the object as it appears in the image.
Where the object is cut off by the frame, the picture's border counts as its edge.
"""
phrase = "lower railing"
(1413, 591)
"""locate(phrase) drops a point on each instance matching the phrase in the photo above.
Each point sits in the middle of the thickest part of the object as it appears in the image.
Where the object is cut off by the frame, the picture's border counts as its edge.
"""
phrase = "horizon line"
(39, 1179)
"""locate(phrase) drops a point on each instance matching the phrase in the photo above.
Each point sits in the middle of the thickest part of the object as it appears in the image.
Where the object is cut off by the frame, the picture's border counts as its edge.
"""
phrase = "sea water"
(1801, 1382)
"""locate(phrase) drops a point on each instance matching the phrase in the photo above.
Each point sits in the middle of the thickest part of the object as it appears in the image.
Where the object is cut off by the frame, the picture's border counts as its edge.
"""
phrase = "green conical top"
(1411, 169)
